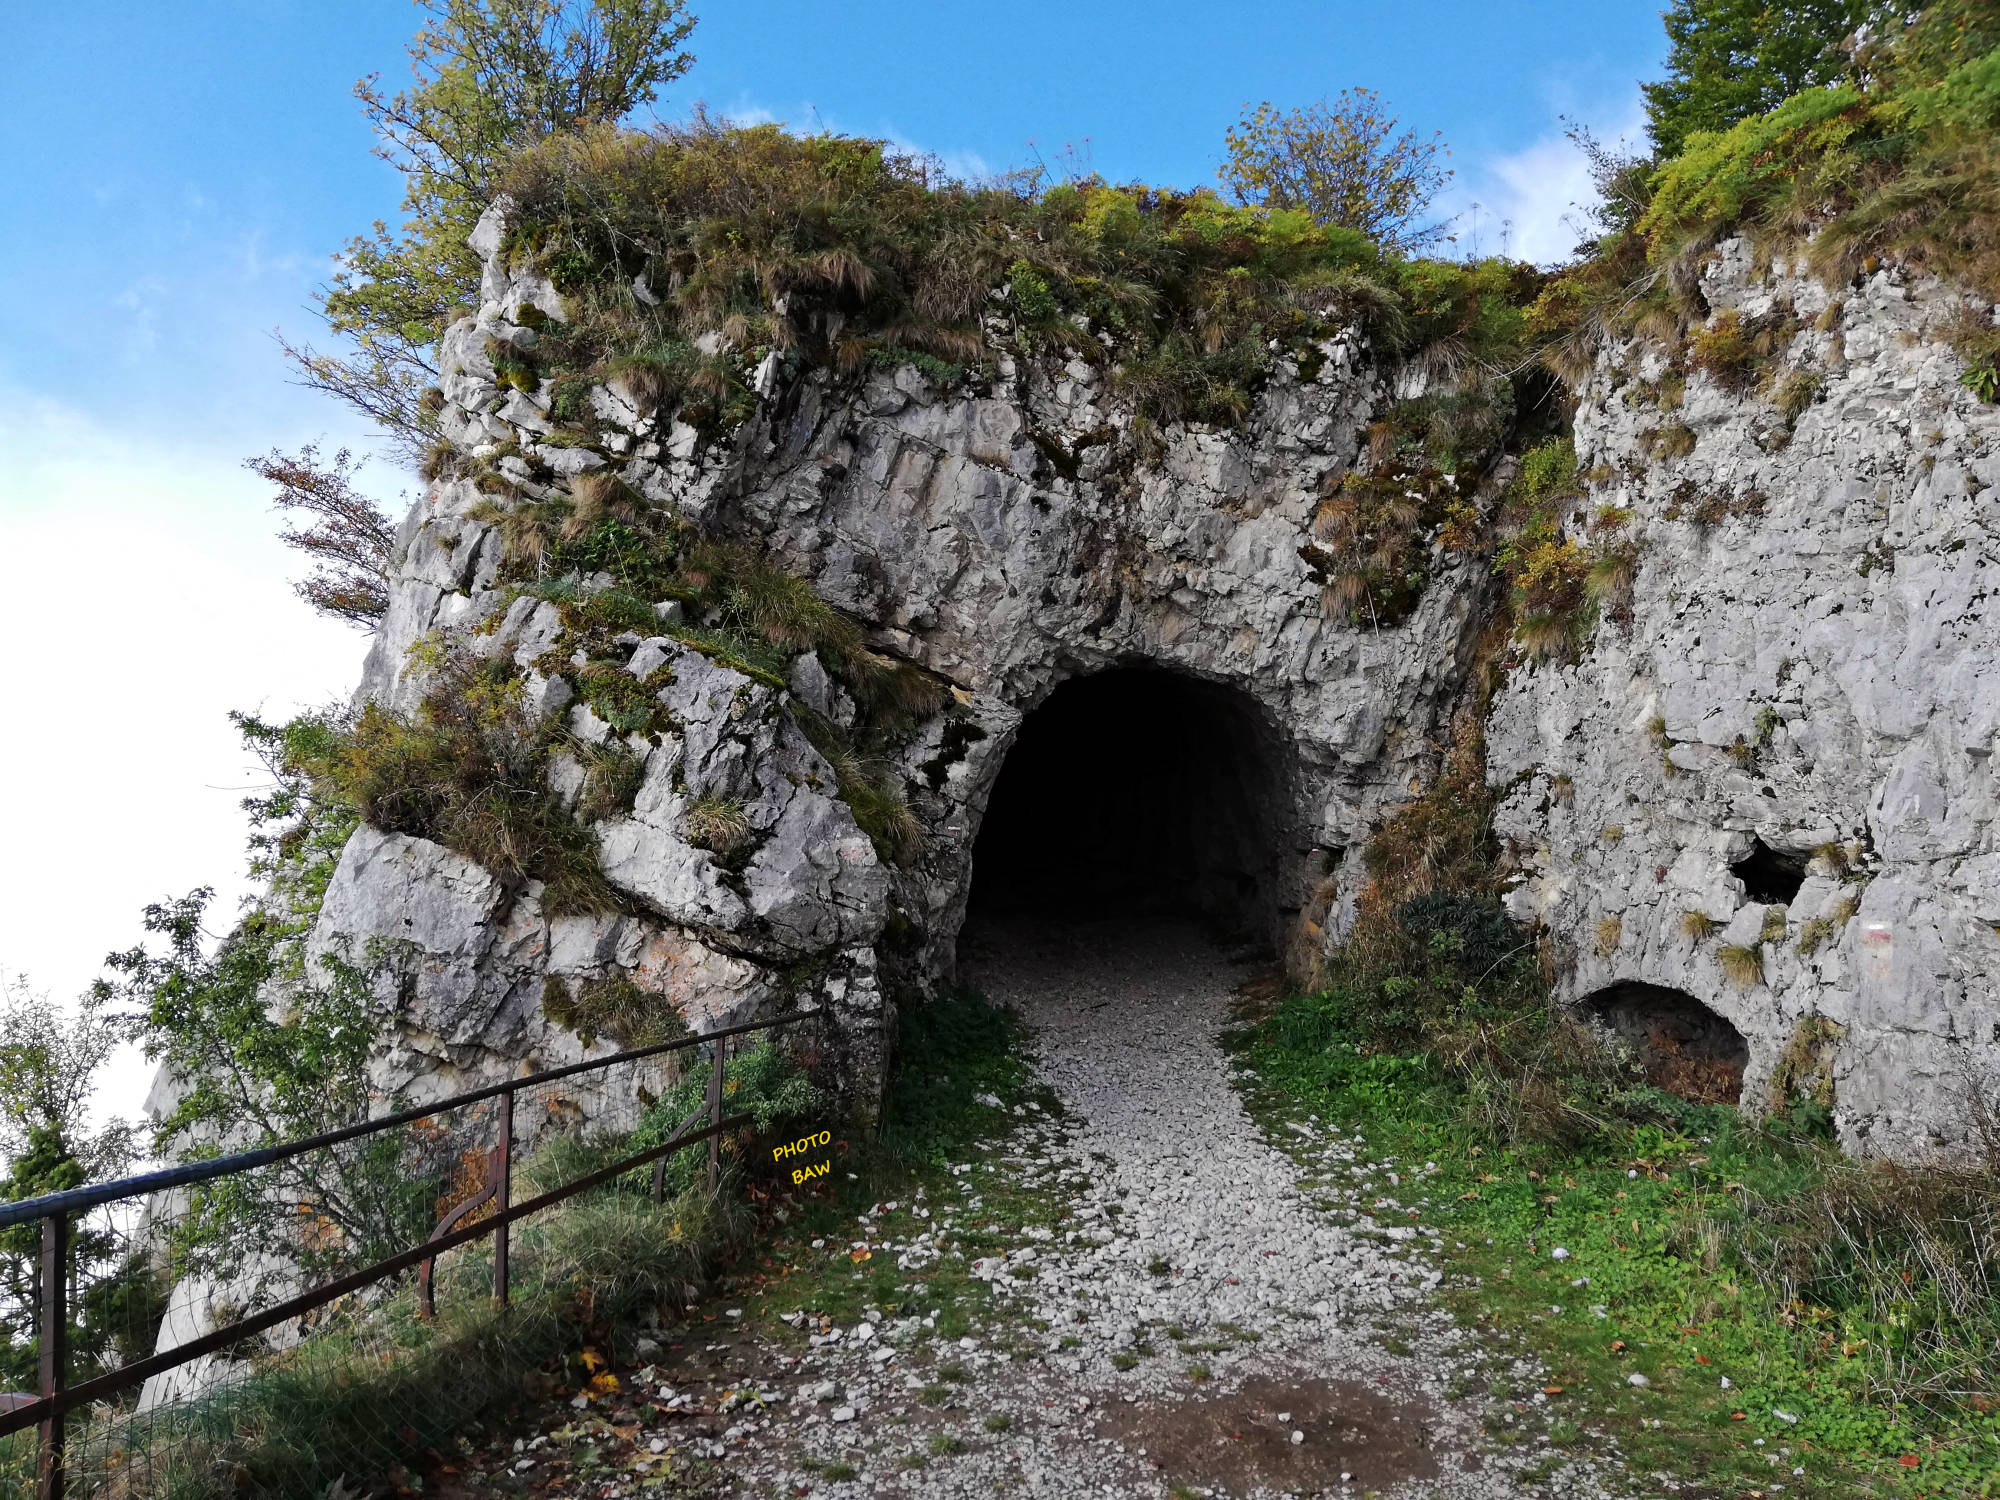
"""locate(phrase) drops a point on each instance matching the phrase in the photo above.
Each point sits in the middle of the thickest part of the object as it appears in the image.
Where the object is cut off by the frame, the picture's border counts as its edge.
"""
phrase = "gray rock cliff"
(1805, 680)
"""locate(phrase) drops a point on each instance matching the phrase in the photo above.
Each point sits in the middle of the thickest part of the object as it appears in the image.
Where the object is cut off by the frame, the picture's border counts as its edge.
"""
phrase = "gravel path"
(1196, 1327)
(1125, 1023)
(1202, 1239)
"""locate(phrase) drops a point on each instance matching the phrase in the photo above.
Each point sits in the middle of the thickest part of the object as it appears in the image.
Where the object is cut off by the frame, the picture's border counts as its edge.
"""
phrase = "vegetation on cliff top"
(1887, 155)
(839, 252)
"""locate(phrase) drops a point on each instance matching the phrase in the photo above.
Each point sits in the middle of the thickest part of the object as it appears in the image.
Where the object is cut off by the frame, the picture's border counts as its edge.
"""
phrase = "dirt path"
(1195, 1325)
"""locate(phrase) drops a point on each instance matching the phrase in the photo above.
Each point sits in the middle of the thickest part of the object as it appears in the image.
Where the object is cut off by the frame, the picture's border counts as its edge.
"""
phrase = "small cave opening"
(1769, 878)
(1686, 1049)
(1136, 792)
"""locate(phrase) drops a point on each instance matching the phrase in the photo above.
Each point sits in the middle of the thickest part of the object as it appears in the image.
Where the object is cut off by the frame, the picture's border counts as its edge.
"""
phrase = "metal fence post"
(503, 1178)
(55, 1350)
(715, 1118)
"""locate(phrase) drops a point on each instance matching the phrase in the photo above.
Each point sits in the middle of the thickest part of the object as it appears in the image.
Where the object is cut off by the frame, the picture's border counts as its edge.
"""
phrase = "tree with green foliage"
(1730, 59)
(265, 1043)
(491, 76)
(49, 1062)
(264, 1048)
(1341, 161)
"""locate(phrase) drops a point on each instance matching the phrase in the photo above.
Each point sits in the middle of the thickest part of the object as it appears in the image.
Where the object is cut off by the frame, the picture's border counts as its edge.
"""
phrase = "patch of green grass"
(950, 1051)
(998, 1422)
(1199, 1372)
(1662, 1226)
(838, 1471)
(944, 1444)
(1124, 1361)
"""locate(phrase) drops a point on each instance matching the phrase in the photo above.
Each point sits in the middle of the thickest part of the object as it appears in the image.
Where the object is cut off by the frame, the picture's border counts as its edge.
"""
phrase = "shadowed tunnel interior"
(1685, 1048)
(1136, 792)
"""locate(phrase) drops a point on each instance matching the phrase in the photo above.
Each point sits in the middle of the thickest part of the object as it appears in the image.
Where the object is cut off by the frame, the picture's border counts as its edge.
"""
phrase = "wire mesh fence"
(272, 1319)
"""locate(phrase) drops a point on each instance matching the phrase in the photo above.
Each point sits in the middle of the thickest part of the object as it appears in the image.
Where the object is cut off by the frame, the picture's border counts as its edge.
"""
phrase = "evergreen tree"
(1733, 58)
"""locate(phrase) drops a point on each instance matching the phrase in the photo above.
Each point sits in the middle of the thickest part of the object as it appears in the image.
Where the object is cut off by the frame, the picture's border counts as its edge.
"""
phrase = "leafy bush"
(266, 1051)
(1480, 935)
(1342, 162)
(766, 1083)
(49, 1063)
(1721, 175)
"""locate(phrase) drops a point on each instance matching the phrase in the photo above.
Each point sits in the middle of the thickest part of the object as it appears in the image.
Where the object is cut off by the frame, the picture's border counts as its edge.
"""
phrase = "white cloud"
(146, 597)
(968, 166)
(1531, 203)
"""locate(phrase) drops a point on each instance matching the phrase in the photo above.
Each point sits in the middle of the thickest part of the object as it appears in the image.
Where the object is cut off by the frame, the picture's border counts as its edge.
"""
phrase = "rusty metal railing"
(48, 1409)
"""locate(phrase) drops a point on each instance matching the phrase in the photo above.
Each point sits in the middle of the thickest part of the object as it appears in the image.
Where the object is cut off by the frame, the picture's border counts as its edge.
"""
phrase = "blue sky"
(179, 176)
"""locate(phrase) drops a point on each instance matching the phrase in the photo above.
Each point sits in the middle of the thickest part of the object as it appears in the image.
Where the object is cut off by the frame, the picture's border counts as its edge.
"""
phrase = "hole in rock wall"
(1686, 1048)
(1770, 878)
(1137, 792)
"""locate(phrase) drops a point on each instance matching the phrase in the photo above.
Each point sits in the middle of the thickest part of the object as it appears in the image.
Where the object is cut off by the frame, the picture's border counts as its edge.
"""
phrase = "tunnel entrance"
(1686, 1048)
(1137, 792)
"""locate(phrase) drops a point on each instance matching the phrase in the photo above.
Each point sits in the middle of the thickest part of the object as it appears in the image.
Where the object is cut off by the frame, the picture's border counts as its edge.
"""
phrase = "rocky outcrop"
(1002, 540)
(1792, 726)
(1792, 736)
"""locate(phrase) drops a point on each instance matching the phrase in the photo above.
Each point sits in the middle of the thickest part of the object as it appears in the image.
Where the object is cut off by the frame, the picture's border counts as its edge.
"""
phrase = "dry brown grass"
(1742, 966)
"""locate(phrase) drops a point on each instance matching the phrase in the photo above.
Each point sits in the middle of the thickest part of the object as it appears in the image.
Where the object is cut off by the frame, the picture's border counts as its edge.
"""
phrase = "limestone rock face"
(1813, 670)
(1004, 541)
(1803, 685)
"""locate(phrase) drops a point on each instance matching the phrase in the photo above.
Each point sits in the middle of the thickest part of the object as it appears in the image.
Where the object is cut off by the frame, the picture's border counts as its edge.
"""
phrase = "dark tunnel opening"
(1136, 792)
(1686, 1048)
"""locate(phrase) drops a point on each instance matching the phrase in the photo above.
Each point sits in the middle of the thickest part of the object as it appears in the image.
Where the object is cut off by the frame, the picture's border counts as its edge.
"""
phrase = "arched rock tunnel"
(1139, 792)
(1684, 1046)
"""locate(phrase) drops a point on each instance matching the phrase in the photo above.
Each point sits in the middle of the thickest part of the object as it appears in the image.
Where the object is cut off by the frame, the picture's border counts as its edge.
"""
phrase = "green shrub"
(766, 1082)
(469, 770)
(1721, 175)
